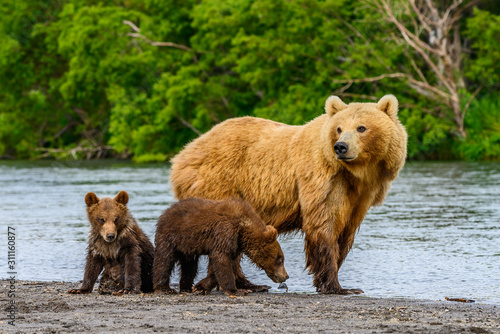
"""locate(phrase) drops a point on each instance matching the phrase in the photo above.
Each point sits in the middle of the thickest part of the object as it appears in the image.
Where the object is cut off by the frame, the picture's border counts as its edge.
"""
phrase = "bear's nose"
(110, 236)
(340, 148)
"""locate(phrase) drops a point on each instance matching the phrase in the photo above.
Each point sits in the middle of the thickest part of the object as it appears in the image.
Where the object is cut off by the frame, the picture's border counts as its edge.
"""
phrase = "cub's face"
(360, 133)
(269, 256)
(107, 216)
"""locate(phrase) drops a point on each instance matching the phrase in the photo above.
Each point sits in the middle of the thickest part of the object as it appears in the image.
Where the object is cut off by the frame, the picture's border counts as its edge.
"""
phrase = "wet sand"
(45, 307)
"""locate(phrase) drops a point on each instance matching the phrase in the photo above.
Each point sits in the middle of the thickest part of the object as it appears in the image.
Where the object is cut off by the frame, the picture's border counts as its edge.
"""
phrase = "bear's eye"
(279, 261)
(339, 130)
(116, 220)
(361, 129)
(101, 220)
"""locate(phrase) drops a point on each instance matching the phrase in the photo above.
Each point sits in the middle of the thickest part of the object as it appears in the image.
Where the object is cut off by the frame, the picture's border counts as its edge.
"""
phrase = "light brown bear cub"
(117, 244)
(223, 230)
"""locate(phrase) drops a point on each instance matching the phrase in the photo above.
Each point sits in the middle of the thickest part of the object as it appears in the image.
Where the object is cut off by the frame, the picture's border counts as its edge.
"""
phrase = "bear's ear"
(389, 105)
(270, 234)
(91, 199)
(333, 105)
(122, 197)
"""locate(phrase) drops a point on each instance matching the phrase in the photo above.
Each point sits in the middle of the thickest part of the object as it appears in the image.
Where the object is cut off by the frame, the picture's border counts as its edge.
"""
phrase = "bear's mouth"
(346, 158)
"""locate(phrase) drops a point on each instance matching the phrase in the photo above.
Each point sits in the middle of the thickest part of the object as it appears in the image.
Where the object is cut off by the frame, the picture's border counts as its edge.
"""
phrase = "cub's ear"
(122, 197)
(270, 234)
(389, 105)
(333, 105)
(91, 199)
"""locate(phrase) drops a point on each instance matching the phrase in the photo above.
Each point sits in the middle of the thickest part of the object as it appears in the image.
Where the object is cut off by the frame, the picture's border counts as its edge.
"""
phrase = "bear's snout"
(283, 278)
(110, 237)
(279, 276)
(340, 148)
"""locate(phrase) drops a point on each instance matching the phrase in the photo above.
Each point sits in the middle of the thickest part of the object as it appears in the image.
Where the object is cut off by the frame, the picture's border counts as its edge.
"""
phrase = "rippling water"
(437, 235)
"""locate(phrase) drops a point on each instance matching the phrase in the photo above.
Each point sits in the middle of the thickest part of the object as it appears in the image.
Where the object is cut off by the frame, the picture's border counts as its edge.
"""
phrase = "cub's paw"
(77, 292)
(260, 288)
(201, 291)
(125, 292)
(168, 291)
(238, 292)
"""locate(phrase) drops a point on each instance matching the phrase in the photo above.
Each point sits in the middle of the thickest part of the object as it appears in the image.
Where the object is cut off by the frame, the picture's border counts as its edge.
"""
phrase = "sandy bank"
(45, 307)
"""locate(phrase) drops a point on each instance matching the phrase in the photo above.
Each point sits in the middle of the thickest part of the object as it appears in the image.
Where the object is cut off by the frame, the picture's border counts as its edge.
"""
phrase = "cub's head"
(364, 133)
(265, 251)
(108, 217)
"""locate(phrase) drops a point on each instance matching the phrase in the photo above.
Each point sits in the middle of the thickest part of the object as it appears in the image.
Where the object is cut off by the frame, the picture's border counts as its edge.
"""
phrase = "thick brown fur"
(294, 179)
(223, 230)
(117, 244)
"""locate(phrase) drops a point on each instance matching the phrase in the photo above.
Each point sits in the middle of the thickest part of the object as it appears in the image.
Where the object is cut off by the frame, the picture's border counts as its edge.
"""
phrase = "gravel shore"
(45, 307)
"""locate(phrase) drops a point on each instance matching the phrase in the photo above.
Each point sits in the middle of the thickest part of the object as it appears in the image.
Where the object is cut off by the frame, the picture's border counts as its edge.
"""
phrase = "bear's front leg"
(322, 255)
(132, 271)
(93, 267)
(345, 242)
(222, 265)
(242, 282)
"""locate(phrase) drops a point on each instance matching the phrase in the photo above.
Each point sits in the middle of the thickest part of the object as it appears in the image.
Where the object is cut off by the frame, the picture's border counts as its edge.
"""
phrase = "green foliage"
(484, 30)
(483, 123)
(76, 81)
(428, 135)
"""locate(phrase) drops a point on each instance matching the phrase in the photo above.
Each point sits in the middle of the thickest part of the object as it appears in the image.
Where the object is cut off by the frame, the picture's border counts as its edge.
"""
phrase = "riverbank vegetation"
(92, 79)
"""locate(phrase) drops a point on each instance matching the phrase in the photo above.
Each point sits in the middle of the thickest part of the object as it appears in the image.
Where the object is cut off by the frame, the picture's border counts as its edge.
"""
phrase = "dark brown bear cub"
(223, 230)
(117, 244)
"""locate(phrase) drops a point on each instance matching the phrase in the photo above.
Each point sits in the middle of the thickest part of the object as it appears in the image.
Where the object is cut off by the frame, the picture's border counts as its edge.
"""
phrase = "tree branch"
(154, 43)
(467, 105)
(136, 34)
(412, 80)
(189, 125)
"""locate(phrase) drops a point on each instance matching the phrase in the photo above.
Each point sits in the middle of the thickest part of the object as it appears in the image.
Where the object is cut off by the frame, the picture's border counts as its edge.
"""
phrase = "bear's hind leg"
(163, 265)
(189, 269)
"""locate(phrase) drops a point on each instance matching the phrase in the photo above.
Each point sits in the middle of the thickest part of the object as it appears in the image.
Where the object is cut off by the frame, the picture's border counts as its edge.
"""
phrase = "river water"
(436, 236)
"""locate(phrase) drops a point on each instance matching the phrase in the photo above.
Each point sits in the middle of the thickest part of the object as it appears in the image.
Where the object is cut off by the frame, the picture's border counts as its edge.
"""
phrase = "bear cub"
(223, 230)
(117, 244)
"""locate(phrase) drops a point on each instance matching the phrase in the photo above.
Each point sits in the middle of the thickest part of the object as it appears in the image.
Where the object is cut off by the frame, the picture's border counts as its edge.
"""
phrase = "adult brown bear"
(320, 178)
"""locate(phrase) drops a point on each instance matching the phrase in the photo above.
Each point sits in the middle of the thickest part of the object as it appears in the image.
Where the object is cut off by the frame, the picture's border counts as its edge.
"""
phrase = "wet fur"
(127, 260)
(223, 230)
(293, 179)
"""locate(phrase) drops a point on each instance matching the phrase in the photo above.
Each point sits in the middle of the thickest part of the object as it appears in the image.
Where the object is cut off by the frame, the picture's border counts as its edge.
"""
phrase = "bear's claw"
(77, 292)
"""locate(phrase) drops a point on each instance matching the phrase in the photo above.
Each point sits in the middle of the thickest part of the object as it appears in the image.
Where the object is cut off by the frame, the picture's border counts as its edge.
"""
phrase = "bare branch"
(467, 105)
(408, 35)
(412, 80)
(189, 125)
(132, 25)
(442, 53)
(136, 34)
(359, 96)
(168, 44)
(415, 67)
(372, 79)
(417, 44)
(421, 17)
